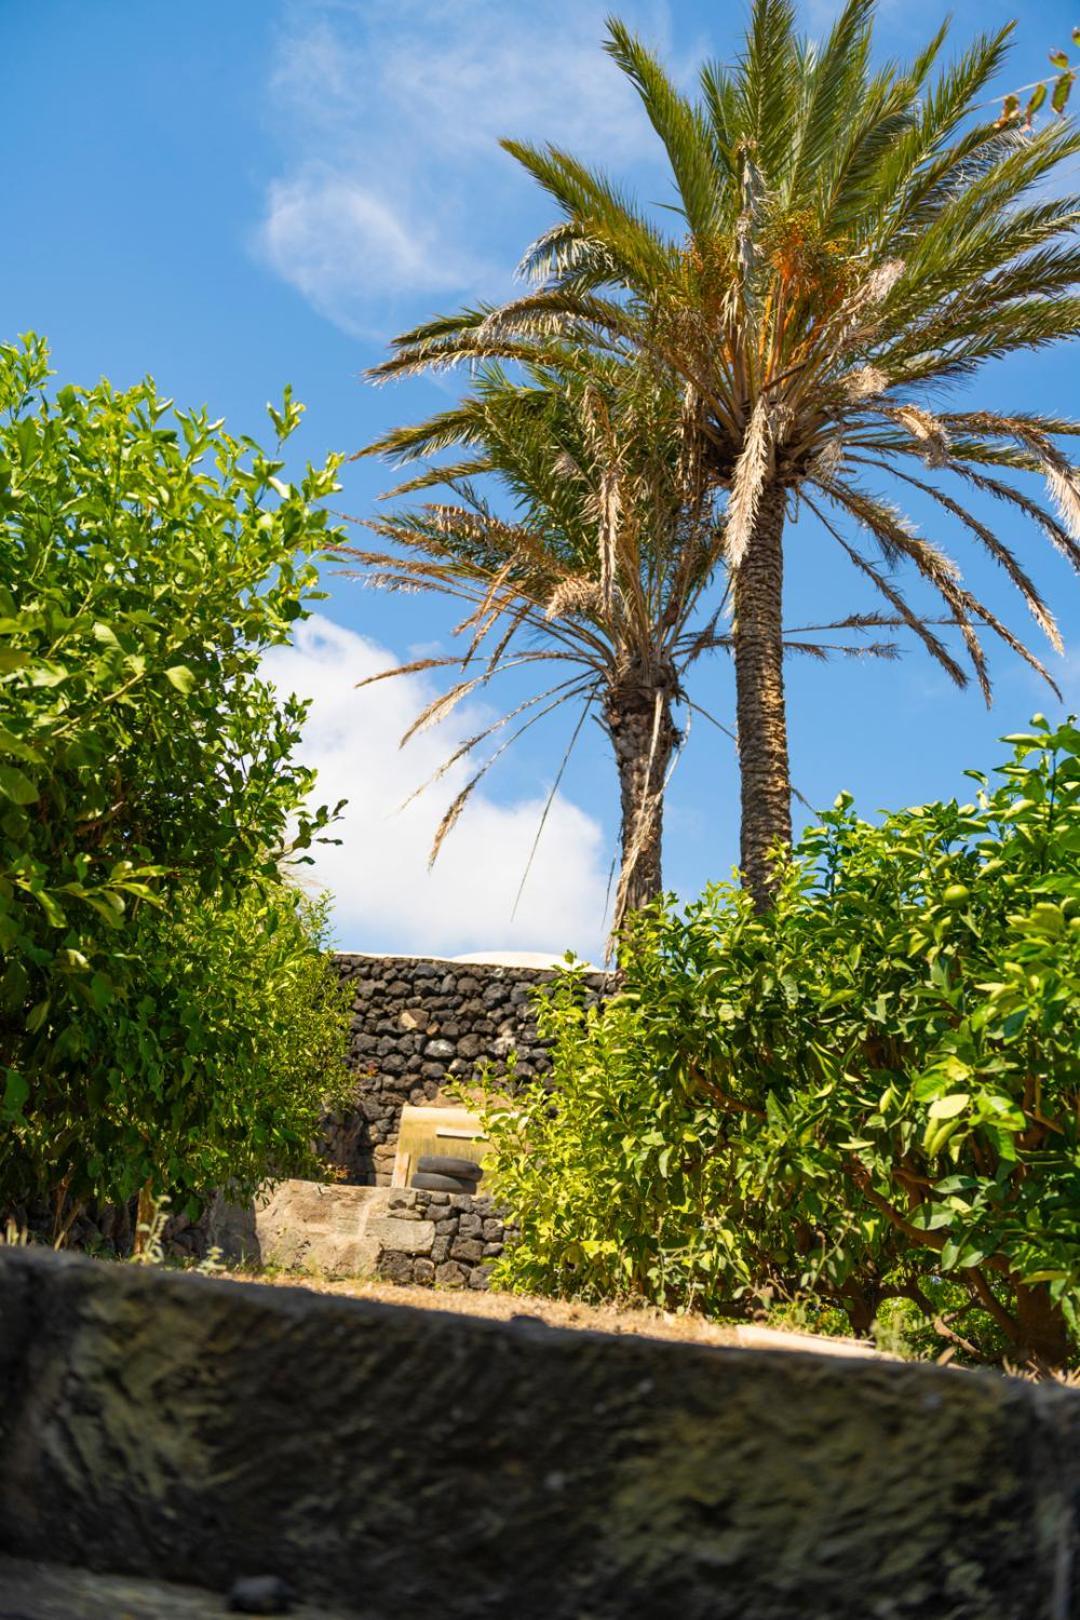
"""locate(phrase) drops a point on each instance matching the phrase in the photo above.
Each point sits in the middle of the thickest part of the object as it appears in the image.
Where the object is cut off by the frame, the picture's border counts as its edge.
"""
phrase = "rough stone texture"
(306, 1226)
(32, 1591)
(418, 1023)
(401, 1234)
(178, 1427)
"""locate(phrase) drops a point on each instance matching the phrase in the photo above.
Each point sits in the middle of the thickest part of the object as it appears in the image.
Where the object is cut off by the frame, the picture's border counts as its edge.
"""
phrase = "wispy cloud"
(346, 249)
(395, 187)
(384, 896)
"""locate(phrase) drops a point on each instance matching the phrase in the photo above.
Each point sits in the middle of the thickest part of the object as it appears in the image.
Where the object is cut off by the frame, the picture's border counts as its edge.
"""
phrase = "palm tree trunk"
(643, 735)
(759, 690)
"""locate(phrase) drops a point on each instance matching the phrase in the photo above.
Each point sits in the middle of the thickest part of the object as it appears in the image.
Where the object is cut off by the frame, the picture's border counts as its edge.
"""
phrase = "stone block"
(424, 1273)
(449, 1275)
(395, 1267)
(470, 1249)
(306, 1226)
(407, 1237)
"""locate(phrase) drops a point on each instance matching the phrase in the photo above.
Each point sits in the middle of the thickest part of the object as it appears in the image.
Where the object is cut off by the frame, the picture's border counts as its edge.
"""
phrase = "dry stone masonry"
(419, 1023)
(460, 1235)
(399, 1234)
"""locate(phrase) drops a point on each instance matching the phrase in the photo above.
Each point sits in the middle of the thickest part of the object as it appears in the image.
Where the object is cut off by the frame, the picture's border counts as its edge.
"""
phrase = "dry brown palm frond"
(855, 322)
(997, 549)
(828, 459)
(450, 819)
(566, 690)
(929, 431)
(748, 481)
(1058, 537)
(417, 667)
(1062, 478)
(575, 596)
(933, 644)
(446, 702)
(866, 382)
(823, 651)
(898, 538)
(439, 708)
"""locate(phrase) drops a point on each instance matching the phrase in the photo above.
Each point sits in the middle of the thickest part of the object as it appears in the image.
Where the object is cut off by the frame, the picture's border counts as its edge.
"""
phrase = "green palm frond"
(852, 241)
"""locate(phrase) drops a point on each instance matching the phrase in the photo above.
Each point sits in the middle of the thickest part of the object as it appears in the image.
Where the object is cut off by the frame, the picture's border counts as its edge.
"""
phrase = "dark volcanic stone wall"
(466, 1235)
(418, 1023)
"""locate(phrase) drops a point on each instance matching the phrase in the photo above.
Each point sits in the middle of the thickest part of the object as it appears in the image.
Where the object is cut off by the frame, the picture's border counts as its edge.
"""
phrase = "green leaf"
(1062, 91)
(1037, 99)
(16, 1091)
(948, 1107)
(181, 677)
(1059, 58)
(17, 786)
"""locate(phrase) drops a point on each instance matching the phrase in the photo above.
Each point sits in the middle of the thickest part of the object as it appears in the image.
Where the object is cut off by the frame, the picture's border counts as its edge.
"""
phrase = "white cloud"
(342, 246)
(385, 897)
(395, 186)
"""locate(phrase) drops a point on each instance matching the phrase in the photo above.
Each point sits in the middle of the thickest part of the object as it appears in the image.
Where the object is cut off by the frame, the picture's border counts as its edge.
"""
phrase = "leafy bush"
(147, 789)
(869, 1094)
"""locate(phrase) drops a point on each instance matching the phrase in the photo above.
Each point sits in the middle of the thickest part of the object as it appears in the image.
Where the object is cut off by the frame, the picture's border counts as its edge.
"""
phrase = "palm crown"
(602, 567)
(854, 242)
(598, 567)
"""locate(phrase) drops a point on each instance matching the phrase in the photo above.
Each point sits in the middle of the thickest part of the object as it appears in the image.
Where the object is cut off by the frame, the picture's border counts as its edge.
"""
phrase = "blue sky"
(234, 196)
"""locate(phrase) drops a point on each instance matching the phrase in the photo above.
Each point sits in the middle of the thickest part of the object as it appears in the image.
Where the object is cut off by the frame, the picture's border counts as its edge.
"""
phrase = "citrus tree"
(148, 787)
(868, 1095)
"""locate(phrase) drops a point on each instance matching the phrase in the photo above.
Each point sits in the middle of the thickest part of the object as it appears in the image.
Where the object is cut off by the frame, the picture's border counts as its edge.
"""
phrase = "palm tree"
(852, 242)
(600, 567)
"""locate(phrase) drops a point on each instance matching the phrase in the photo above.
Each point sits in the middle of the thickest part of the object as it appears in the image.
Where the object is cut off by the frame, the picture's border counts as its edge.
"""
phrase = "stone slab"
(317, 1228)
(178, 1427)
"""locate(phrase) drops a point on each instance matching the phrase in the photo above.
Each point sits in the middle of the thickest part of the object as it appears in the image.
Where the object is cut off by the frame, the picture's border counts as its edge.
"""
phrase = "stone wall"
(400, 1234)
(388, 1461)
(466, 1234)
(417, 1024)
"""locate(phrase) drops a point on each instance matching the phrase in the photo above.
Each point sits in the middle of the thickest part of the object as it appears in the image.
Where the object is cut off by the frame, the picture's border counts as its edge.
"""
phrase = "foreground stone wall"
(388, 1461)
(417, 1023)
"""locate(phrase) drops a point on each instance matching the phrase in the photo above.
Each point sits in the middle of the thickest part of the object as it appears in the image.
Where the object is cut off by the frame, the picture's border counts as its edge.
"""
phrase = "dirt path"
(573, 1314)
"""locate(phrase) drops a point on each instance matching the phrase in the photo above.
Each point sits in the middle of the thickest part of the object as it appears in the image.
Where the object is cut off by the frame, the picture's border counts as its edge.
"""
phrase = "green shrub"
(147, 792)
(869, 1094)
